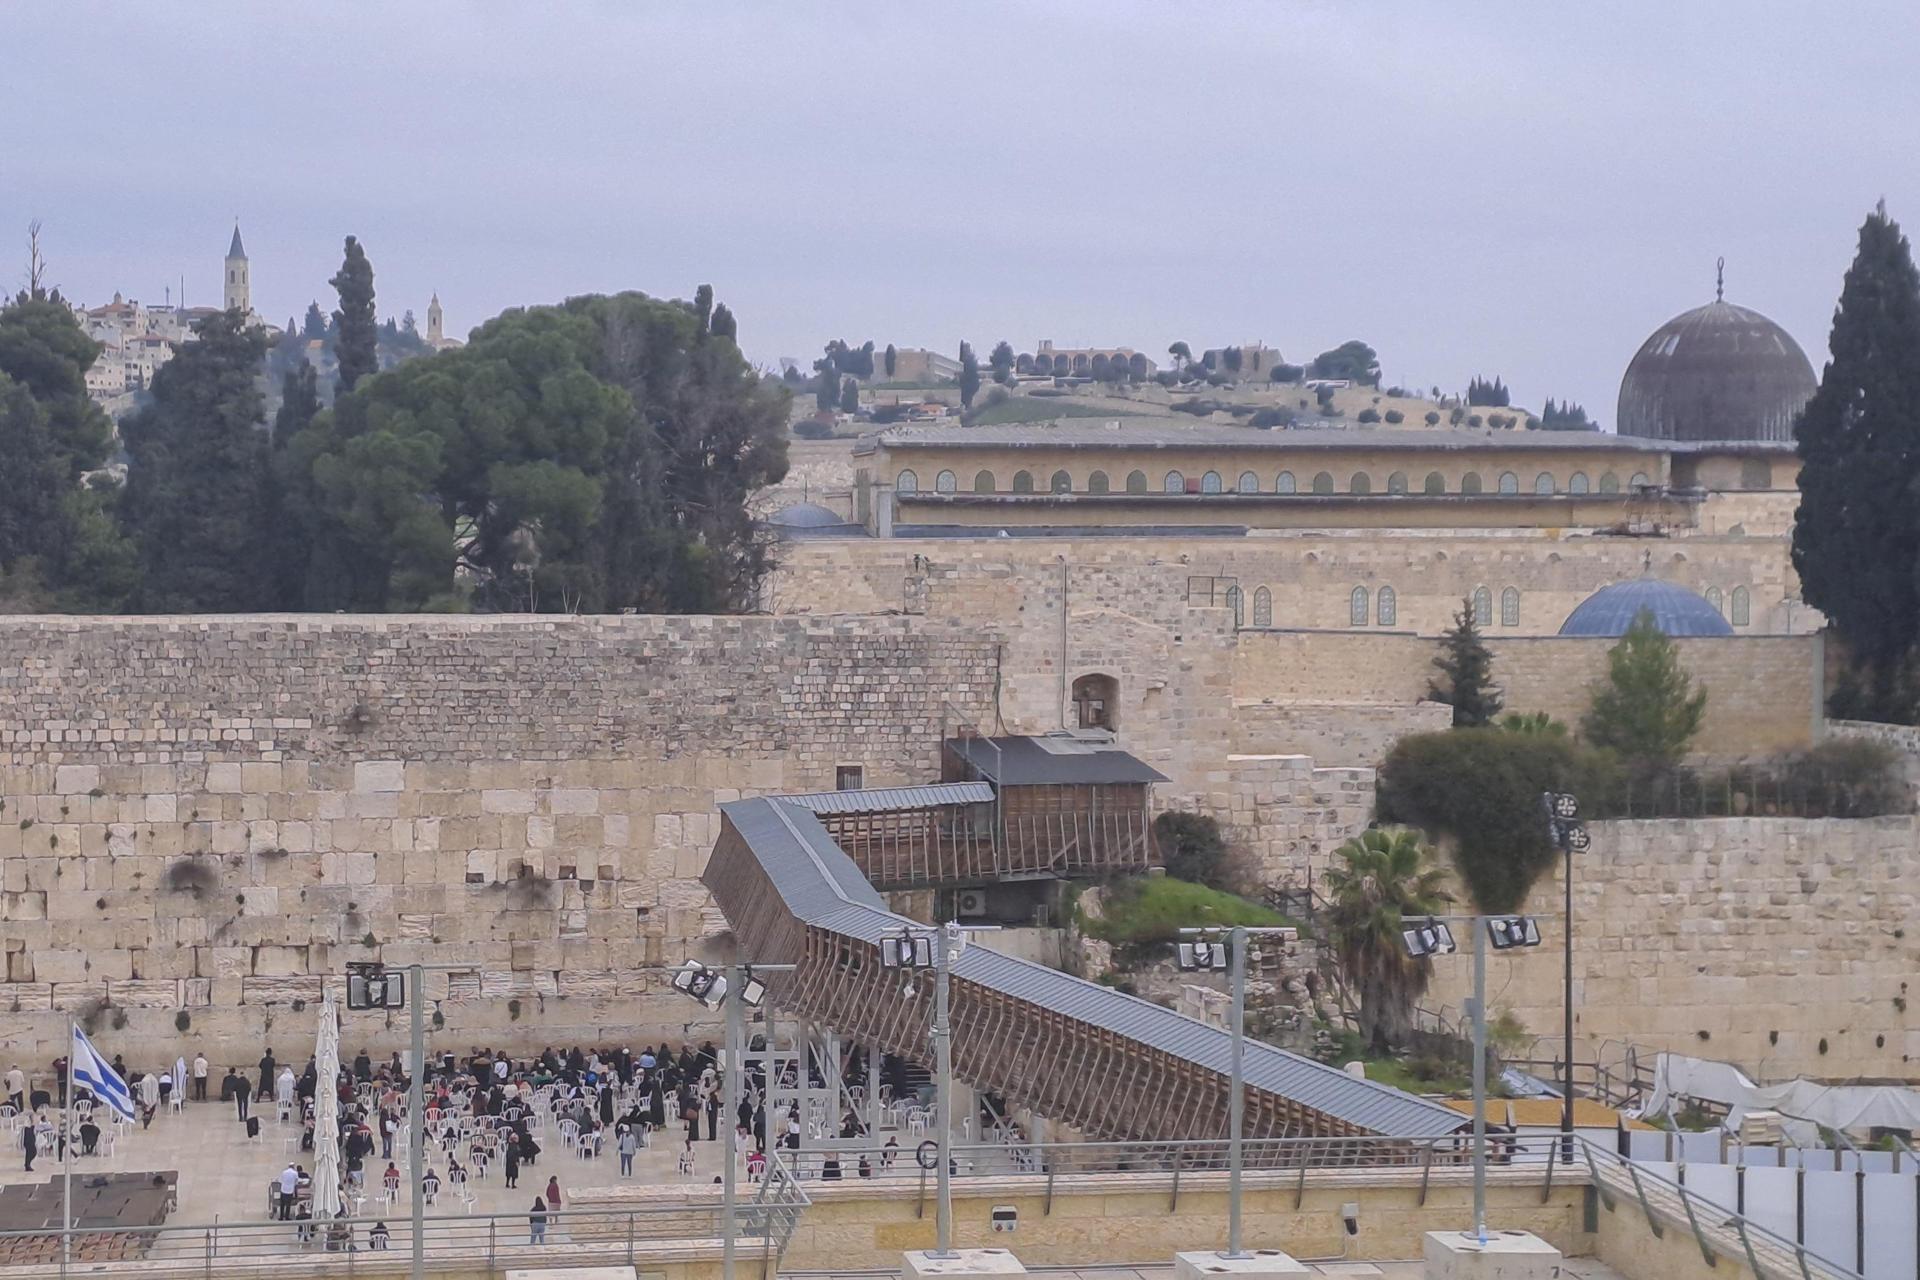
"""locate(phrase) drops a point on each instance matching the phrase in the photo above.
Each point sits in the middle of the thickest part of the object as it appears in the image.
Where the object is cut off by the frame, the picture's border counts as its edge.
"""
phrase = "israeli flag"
(93, 1072)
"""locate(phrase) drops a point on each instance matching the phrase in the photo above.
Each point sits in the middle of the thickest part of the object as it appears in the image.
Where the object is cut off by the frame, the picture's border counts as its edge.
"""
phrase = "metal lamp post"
(1562, 811)
(1205, 955)
(1432, 937)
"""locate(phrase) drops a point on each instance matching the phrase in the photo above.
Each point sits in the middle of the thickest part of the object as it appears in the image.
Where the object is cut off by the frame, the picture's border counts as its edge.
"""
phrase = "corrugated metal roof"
(1021, 760)
(1157, 433)
(822, 887)
(886, 799)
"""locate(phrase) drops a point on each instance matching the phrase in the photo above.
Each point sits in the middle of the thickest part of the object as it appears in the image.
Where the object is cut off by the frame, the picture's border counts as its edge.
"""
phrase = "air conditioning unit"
(970, 902)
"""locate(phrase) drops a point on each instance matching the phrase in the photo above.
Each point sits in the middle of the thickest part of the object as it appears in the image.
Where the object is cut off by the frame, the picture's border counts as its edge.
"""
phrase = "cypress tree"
(1856, 537)
(196, 476)
(1646, 708)
(1466, 669)
(356, 334)
(969, 375)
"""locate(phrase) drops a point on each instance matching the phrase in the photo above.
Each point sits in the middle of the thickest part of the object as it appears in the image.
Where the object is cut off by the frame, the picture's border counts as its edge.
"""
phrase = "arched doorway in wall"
(1096, 700)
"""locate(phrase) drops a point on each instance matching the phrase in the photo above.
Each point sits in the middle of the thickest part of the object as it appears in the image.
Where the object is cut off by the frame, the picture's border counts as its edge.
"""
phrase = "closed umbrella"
(326, 1113)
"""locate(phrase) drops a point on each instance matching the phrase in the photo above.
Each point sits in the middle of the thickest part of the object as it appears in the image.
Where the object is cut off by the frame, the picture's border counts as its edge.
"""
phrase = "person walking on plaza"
(242, 1094)
(149, 1099)
(199, 1076)
(628, 1144)
(289, 1184)
(537, 1222)
(510, 1154)
(30, 1142)
(17, 1088)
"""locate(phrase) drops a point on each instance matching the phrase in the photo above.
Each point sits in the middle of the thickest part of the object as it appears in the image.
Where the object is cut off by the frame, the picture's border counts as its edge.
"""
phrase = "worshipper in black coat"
(657, 1107)
(713, 1115)
(606, 1105)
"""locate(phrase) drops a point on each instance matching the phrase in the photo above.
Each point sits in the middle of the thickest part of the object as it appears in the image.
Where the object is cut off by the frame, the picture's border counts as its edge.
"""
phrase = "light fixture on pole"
(1206, 953)
(1564, 829)
(1431, 937)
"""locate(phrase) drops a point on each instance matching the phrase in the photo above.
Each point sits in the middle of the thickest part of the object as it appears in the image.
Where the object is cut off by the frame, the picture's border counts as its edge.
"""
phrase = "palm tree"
(1380, 877)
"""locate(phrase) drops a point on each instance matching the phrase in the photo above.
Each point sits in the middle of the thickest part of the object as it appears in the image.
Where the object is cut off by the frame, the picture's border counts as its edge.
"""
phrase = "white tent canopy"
(1845, 1107)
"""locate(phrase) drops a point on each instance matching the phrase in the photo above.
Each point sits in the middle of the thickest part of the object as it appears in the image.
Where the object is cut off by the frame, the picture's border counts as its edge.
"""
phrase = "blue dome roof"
(1676, 611)
(804, 515)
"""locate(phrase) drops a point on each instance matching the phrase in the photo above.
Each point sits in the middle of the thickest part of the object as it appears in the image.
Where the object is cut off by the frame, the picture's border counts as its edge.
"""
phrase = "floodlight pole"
(1237, 1101)
(943, 939)
(736, 1019)
(1480, 1078)
(1566, 1111)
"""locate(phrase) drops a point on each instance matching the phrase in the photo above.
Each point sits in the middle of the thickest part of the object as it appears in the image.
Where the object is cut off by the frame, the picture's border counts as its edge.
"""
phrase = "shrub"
(1433, 419)
(1369, 415)
(813, 429)
(190, 875)
(1481, 788)
(1395, 417)
(1267, 419)
(182, 1020)
(1192, 848)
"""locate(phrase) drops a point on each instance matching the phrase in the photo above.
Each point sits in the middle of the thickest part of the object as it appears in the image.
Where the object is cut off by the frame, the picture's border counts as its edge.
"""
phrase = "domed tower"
(239, 295)
(1718, 372)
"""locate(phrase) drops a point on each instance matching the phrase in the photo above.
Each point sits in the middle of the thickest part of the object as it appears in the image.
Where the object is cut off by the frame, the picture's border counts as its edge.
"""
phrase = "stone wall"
(1785, 945)
(1288, 815)
(1335, 734)
(1763, 691)
(203, 820)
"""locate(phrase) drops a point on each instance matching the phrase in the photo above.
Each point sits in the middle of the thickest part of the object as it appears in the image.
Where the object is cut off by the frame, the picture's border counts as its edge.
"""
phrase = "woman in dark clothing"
(657, 1107)
(529, 1149)
(606, 1106)
(513, 1164)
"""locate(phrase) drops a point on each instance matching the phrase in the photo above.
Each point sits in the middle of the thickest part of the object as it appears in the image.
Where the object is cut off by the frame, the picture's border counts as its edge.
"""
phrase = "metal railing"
(374, 1243)
(1717, 1231)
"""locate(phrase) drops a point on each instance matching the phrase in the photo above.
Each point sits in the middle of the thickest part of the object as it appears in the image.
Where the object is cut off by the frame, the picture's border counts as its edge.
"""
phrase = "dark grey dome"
(804, 515)
(1676, 611)
(1718, 372)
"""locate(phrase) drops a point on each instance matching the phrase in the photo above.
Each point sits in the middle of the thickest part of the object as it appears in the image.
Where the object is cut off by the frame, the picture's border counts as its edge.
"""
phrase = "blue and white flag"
(96, 1074)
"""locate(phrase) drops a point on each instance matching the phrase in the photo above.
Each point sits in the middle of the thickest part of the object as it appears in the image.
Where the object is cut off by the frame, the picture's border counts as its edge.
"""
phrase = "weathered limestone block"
(69, 996)
(506, 801)
(196, 993)
(498, 983)
(24, 904)
(27, 997)
(281, 989)
(61, 966)
(71, 779)
(145, 993)
(589, 983)
(224, 778)
(279, 961)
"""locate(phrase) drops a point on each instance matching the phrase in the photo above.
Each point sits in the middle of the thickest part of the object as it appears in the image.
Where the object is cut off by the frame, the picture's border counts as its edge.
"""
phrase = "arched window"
(1262, 607)
(1061, 483)
(1235, 602)
(1742, 607)
(1210, 482)
(1285, 483)
(983, 482)
(1470, 482)
(1436, 483)
(1509, 482)
(1609, 482)
(1357, 607)
(1397, 482)
(1577, 482)
(1713, 598)
(1756, 473)
(946, 482)
(1323, 482)
(1136, 482)
(1510, 607)
(1387, 611)
(1023, 482)
(1094, 701)
(1097, 482)
(1249, 482)
(1639, 480)
(1482, 607)
(1174, 483)
(1359, 483)
(1543, 483)
(906, 482)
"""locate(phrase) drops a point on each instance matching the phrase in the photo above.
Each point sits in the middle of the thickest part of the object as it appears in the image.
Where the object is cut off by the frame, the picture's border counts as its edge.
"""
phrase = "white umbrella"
(326, 1113)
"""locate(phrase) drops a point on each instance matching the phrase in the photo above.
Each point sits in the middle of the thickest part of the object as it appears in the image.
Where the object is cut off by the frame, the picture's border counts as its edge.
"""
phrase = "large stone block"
(1503, 1255)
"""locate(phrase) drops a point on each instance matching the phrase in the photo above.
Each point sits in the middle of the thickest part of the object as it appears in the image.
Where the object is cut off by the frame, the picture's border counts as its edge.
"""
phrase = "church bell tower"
(238, 295)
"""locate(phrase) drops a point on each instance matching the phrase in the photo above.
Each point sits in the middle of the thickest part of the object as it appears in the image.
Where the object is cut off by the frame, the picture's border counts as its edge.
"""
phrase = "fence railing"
(380, 1243)
(1716, 1232)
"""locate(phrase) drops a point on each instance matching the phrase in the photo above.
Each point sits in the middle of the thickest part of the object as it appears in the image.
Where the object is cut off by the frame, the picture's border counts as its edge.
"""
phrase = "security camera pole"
(1562, 811)
(1204, 955)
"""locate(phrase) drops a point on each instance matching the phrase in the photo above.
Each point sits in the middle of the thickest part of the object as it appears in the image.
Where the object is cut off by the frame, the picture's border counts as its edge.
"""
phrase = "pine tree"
(314, 325)
(1856, 538)
(196, 476)
(969, 375)
(1001, 361)
(849, 396)
(356, 334)
(723, 324)
(1645, 708)
(892, 359)
(1466, 668)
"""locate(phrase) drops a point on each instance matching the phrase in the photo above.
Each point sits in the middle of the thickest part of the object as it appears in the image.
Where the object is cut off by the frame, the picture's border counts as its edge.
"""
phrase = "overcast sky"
(1524, 189)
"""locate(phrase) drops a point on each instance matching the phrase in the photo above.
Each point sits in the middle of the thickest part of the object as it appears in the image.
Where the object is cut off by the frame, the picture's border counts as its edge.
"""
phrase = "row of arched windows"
(1248, 482)
(1736, 606)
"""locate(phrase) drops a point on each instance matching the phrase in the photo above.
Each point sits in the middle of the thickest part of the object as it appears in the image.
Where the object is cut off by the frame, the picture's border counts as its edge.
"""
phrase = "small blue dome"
(804, 515)
(1676, 611)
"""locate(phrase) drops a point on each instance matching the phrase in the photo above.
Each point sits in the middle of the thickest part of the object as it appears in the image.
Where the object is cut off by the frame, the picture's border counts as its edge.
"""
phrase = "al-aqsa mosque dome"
(1718, 372)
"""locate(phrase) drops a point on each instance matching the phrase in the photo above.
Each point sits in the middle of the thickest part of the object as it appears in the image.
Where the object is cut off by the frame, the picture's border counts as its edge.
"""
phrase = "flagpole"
(66, 1161)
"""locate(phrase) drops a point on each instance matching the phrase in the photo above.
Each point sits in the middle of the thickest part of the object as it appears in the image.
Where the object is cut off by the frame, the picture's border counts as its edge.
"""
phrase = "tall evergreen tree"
(196, 476)
(969, 375)
(1001, 361)
(1466, 673)
(43, 348)
(314, 324)
(849, 396)
(289, 494)
(1856, 537)
(356, 333)
(893, 358)
(723, 324)
(1645, 708)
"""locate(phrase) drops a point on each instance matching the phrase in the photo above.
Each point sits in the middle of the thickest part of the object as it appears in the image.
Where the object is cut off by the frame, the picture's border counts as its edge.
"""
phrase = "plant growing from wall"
(1379, 878)
(1645, 709)
(191, 876)
(1466, 673)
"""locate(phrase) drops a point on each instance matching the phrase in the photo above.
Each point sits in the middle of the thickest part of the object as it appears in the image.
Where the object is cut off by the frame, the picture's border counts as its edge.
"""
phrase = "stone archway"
(1096, 699)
